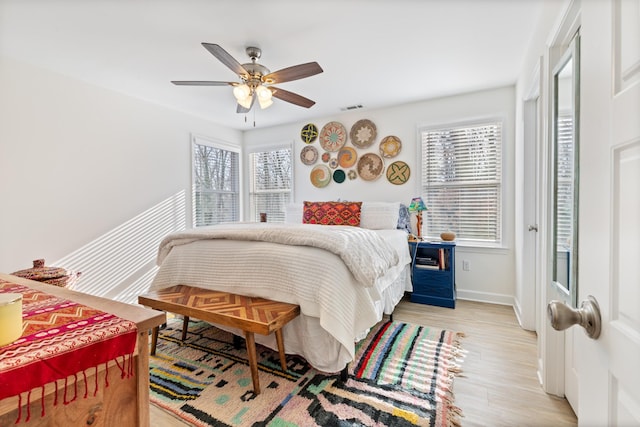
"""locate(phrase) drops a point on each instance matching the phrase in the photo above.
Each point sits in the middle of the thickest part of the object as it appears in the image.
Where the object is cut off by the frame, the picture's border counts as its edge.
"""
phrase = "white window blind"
(564, 185)
(461, 181)
(216, 184)
(271, 177)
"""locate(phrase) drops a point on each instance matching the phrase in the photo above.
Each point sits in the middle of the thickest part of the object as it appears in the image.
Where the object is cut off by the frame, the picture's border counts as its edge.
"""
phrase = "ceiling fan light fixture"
(246, 102)
(265, 103)
(264, 94)
(242, 92)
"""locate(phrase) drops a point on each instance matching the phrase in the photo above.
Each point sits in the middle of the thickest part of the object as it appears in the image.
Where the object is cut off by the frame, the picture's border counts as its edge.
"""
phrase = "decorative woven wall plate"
(333, 136)
(347, 157)
(339, 176)
(370, 166)
(363, 133)
(398, 173)
(390, 146)
(320, 176)
(309, 133)
(309, 155)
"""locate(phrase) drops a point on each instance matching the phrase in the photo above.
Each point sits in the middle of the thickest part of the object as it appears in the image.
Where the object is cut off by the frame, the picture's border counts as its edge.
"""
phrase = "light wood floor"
(498, 386)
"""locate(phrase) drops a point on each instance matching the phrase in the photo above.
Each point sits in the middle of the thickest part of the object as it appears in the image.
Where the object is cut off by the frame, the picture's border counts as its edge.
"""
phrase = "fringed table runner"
(61, 339)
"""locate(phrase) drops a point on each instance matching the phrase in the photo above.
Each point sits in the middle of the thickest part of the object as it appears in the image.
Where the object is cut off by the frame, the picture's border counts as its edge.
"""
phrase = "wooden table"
(124, 402)
(251, 314)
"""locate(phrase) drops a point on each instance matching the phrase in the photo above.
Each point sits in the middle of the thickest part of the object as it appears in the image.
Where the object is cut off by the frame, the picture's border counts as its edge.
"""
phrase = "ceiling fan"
(257, 80)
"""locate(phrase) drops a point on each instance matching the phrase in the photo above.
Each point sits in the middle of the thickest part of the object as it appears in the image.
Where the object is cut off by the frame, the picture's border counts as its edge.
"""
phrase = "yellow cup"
(10, 317)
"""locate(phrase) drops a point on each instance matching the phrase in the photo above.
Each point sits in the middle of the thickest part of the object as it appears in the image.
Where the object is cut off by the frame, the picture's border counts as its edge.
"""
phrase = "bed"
(343, 277)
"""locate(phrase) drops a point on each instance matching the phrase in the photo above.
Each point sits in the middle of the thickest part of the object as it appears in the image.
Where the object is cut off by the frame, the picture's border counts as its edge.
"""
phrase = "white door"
(528, 294)
(609, 227)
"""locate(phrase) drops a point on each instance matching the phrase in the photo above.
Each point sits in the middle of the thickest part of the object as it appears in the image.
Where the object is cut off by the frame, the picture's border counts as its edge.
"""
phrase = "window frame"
(220, 145)
(501, 121)
(254, 216)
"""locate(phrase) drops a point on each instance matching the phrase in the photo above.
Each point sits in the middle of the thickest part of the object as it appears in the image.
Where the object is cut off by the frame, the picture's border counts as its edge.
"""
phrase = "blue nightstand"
(433, 273)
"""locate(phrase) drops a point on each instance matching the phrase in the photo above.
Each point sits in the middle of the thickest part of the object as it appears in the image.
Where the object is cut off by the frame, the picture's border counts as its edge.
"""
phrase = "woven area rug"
(402, 376)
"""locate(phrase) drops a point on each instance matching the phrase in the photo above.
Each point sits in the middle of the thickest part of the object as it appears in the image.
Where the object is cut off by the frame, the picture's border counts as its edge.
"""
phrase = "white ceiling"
(375, 53)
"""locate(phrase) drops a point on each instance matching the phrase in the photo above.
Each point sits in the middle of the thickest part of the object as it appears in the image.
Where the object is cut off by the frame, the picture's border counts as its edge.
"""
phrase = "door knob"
(588, 316)
(533, 227)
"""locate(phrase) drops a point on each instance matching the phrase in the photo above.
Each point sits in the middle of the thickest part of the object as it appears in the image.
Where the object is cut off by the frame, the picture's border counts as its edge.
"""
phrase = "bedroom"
(91, 169)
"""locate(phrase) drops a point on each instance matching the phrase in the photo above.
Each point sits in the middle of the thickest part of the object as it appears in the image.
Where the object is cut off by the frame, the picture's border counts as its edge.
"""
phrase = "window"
(461, 181)
(216, 183)
(270, 186)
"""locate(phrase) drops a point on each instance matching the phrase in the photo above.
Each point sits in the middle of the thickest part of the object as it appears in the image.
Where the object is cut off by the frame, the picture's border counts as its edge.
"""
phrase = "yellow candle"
(10, 317)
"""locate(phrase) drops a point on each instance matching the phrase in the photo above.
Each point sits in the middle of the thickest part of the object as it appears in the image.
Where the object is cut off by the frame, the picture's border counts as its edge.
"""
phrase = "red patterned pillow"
(332, 213)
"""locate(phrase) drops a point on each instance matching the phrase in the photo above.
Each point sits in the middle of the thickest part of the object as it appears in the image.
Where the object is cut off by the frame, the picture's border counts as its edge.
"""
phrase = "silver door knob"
(588, 316)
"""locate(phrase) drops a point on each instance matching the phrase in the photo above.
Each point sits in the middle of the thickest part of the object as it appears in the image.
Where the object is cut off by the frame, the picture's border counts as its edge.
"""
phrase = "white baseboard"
(485, 297)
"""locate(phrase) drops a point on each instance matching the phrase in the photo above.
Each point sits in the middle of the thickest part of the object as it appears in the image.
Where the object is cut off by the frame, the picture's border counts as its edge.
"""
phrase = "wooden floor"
(498, 386)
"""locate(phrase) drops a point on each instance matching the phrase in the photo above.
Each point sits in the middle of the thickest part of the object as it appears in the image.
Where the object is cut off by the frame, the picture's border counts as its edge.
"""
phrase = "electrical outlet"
(465, 264)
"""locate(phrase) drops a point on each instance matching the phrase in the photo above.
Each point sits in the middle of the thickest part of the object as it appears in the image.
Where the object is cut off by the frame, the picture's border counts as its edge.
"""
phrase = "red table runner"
(61, 338)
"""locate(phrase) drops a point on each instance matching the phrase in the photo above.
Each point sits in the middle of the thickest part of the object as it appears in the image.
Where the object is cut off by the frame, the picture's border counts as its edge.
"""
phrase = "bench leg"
(344, 374)
(283, 358)
(154, 340)
(237, 342)
(185, 327)
(253, 360)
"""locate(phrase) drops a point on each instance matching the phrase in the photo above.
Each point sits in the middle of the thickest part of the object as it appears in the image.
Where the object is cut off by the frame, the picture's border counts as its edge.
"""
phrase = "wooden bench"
(252, 315)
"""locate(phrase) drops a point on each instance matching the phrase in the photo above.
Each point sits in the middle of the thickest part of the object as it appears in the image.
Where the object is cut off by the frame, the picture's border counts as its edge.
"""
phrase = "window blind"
(461, 181)
(216, 185)
(564, 185)
(270, 186)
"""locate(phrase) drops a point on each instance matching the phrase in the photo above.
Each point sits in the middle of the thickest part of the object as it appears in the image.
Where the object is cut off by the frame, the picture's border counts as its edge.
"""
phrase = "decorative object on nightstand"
(448, 236)
(433, 273)
(417, 205)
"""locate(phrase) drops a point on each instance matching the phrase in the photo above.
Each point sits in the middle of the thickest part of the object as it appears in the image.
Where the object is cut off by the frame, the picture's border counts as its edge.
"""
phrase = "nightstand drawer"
(434, 286)
(425, 275)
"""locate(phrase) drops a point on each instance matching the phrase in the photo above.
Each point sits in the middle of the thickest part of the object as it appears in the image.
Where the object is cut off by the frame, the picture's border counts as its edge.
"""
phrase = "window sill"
(481, 248)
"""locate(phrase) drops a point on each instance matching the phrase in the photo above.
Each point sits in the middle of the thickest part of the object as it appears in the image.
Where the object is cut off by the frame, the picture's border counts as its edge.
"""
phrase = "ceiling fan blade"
(200, 83)
(293, 73)
(228, 60)
(291, 97)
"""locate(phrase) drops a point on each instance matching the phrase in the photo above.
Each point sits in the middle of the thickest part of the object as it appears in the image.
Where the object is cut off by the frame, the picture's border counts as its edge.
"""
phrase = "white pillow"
(293, 213)
(379, 215)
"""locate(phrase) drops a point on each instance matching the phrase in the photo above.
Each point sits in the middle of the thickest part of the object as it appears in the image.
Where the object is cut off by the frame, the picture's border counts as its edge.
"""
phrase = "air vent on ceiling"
(352, 107)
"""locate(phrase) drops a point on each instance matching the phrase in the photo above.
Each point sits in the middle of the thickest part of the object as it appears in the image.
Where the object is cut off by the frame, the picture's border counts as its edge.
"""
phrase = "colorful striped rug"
(402, 375)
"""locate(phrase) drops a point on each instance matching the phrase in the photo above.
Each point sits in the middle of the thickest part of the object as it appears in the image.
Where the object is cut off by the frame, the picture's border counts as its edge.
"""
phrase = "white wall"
(491, 276)
(90, 179)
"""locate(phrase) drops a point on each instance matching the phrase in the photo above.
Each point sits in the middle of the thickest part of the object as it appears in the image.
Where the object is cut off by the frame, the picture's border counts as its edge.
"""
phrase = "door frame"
(552, 366)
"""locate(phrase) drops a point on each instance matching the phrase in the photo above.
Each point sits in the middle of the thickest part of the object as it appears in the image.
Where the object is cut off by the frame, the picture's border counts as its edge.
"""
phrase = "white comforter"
(336, 274)
(366, 254)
